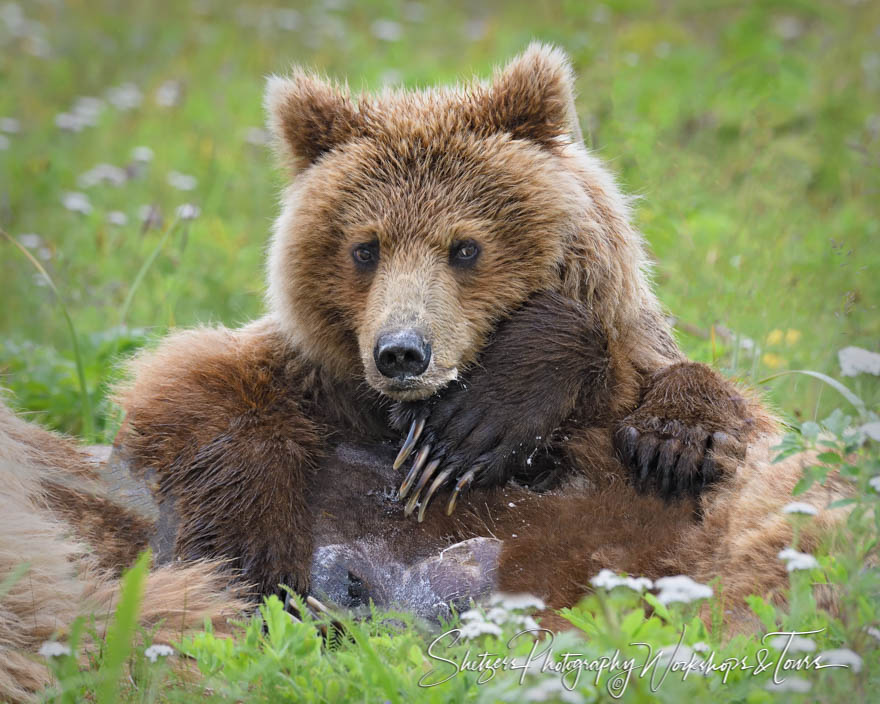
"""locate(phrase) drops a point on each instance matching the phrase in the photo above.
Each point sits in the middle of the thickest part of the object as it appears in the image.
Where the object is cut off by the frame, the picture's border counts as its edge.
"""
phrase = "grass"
(750, 133)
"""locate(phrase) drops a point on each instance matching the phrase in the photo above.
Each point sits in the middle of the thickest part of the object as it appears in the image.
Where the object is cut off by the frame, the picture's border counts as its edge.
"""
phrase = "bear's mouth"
(415, 388)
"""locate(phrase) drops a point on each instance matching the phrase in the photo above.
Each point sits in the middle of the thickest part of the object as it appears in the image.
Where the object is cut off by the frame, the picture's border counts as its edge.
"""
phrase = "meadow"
(137, 192)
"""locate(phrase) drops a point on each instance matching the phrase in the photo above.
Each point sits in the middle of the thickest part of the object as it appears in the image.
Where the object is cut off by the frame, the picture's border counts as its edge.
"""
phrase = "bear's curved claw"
(421, 458)
(415, 432)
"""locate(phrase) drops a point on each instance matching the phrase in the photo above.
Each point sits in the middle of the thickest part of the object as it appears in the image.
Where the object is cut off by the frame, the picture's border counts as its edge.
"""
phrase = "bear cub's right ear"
(308, 116)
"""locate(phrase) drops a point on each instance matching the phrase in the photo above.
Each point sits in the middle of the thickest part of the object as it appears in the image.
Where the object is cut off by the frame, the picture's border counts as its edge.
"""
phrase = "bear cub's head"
(415, 220)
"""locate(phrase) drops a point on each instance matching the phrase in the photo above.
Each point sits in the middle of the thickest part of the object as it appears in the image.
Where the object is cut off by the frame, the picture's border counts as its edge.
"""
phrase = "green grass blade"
(88, 418)
(142, 272)
(121, 634)
(833, 383)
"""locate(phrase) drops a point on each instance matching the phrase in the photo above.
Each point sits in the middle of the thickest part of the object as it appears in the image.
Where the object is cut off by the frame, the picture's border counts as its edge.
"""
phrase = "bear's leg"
(217, 423)
(691, 429)
(547, 361)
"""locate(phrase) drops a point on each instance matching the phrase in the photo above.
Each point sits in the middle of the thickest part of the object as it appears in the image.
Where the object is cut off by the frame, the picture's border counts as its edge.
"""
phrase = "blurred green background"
(750, 134)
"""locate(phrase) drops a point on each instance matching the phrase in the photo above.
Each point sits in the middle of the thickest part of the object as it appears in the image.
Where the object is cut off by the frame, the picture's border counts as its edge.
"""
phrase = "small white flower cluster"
(188, 211)
(117, 217)
(505, 609)
(142, 155)
(789, 684)
(257, 136)
(795, 560)
(124, 97)
(552, 689)
(169, 93)
(53, 649)
(682, 589)
(102, 173)
(84, 113)
(856, 360)
(182, 182)
(154, 652)
(795, 643)
(842, 656)
(77, 202)
(801, 508)
(608, 580)
(9, 125)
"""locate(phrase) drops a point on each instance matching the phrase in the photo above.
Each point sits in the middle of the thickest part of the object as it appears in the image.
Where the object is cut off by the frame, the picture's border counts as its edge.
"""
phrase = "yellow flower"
(792, 336)
(774, 361)
(775, 337)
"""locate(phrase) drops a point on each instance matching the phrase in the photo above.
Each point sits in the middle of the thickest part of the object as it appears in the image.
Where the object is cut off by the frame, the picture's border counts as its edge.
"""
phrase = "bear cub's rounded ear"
(533, 97)
(308, 116)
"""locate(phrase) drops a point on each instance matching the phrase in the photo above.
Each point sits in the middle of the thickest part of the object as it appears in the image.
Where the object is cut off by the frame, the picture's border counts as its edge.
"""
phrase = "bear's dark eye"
(464, 253)
(366, 254)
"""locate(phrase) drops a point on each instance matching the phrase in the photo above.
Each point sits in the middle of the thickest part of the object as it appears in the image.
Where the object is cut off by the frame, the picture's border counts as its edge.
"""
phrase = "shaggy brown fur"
(46, 480)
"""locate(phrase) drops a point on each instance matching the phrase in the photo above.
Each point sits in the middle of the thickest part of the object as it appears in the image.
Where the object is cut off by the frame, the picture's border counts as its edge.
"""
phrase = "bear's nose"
(402, 353)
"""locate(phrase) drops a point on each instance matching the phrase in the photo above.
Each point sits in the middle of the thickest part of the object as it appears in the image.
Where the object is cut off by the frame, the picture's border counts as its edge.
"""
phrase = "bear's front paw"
(672, 459)
(459, 442)
(691, 429)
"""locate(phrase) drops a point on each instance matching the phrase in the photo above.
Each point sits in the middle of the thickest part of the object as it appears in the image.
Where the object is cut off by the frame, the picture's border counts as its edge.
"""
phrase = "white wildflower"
(842, 656)
(795, 643)
(516, 602)
(31, 240)
(873, 632)
(474, 629)
(168, 94)
(800, 507)
(700, 647)
(102, 173)
(77, 202)
(117, 217)
(4, 142)
(142, 154)
(527, 623)
(182, 182)
(795, 560)
(472, 615)
(872, 430)
(789, 684)
(154, 652)
(126, 96)
(88, 109)
(681, 588)
(53, 649)
(44, 253)
(70, 122)
(188, 211)
(607, 579)
(856, 360)
(386, 30)
(10, 125)
(257, 136)
(150, 215)
(497, 615)
(553, 689)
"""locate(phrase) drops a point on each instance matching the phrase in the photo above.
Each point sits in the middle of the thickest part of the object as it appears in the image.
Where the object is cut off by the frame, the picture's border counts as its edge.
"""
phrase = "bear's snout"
(403, 353)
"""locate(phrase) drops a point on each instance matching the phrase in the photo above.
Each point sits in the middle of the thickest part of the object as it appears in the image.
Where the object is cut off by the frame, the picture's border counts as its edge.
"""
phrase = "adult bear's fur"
(59, 518)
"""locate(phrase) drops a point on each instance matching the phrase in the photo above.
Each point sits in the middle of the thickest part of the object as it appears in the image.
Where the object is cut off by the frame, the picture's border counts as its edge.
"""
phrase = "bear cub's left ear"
(533, 97)
(308, 116)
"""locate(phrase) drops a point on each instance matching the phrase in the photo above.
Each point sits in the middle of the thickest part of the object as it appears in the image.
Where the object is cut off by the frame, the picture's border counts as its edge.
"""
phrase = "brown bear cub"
(453, 266)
